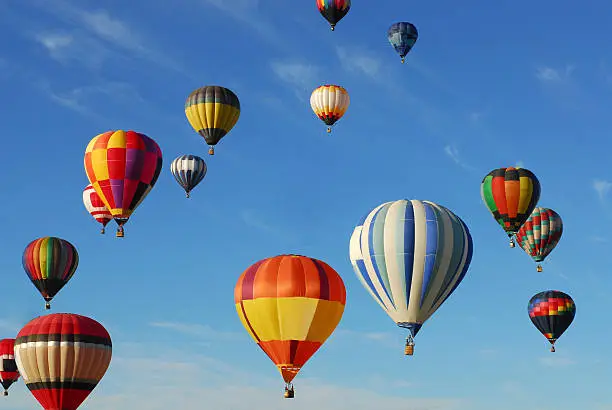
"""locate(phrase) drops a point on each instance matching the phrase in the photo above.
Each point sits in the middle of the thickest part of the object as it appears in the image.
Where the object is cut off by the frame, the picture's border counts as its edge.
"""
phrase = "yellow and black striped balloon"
(212, 111)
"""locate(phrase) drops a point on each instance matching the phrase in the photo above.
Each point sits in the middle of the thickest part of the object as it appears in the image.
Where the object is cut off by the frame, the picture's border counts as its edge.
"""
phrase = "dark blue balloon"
(402, 37)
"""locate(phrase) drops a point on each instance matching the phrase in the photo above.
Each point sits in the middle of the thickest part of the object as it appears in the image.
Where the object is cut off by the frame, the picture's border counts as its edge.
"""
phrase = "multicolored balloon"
(329, 103)
(8, 367)
(212, 111)
(95, 206)
(410, 256)
(188, 171)
(290, 305)
(402, 37)
(50, 263)
(552, 312)
(540, 234)
(511, 194)
(77, 351)
(333, 10)
(123, 167)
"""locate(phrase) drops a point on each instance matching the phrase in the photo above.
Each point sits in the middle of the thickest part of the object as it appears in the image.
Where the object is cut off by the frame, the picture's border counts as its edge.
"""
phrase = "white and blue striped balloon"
(410, 255)
(188, 171)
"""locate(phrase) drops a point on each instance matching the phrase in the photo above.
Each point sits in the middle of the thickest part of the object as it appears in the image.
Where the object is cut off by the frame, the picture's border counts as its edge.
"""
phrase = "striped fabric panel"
(541, 233)
(50, 258)
(410, 256)
(330, 102)
(188, 171)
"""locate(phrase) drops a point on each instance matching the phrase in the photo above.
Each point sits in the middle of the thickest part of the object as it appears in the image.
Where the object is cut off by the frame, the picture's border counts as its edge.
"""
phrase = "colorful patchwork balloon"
(511, 194)
(290, 304)
(333, 10)
(123, 167)
(552, 312)
(540, 234)
(62, 357)
(50, 263)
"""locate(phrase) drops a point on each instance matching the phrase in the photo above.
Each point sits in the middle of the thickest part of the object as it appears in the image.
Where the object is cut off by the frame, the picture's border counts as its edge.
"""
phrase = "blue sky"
(487, 85)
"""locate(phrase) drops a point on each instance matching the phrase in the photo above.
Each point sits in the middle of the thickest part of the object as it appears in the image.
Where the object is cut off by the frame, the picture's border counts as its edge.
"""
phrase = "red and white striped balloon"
(96, 207)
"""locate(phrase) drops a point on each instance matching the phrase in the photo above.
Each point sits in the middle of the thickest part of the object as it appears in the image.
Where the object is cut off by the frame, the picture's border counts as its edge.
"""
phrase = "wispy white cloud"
(296, 73)
(476, 116)
(198, 330)
(87, 100)
(95, 35)
(248, 12)
(380, 338)
(453, 153)
(68, 48)
(602, 188)
(176, 379)
(553, 75)
(359, 60)
(599, 239)
(556, 361)
(253, 219)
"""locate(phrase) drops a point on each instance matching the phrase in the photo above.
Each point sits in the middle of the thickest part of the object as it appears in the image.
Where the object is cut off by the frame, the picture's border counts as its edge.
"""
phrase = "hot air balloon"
(552, 312)
(62, 358)
(188, 171)
(511, 194)
(290, 304)
(402, 37)
(95, 206)
(50, 262)
(8, 367)
(333, 10)
(540, 234)
(212, 111)
(410, 255)
(329, 103)
(123, 167)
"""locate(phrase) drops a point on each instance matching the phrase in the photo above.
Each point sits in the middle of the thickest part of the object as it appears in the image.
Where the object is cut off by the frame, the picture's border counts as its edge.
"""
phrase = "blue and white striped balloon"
(410, 255)
(188, 171)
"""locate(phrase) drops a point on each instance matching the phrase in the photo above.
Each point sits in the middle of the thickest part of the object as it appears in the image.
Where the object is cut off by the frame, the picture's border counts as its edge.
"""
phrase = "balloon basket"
(102, 231)
(120, 234)
(289, 393)
(5, 393)
(47, 306)
(552, 349)
(409, 350)
(211, 151)
(328, 130)
(539, 268)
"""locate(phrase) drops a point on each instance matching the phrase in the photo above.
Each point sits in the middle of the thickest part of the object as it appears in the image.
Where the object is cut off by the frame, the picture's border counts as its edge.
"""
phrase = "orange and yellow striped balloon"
(290, 305)
(329, 103)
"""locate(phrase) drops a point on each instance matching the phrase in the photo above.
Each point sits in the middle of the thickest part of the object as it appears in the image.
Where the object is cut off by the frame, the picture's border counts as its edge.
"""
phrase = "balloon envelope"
(540, 234)
(510, 194)
(123, 167)
(552, 312)
(188, 171)
(8, 367)
(62, 357)
(50, 263)
(333, 10)
(212, 111)
(290, 304)
(410, 255)
(402, 37)
(95, 206)
(329, 103)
